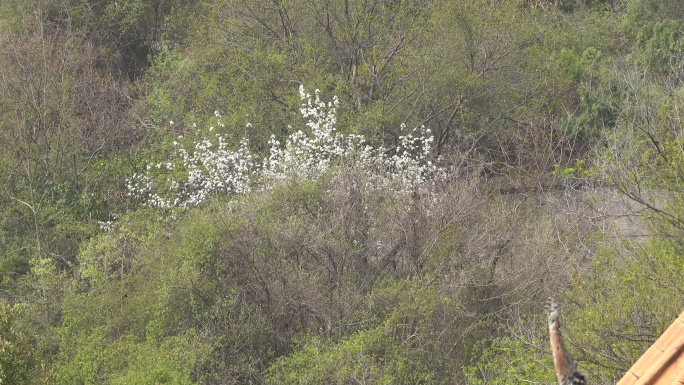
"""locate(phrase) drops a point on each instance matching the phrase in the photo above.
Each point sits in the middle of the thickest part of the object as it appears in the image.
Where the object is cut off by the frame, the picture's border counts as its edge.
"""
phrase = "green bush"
(18, 360)
(411, 344)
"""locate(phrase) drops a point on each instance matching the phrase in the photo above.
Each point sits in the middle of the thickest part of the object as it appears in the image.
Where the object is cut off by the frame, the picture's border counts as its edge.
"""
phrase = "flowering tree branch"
(211, 167)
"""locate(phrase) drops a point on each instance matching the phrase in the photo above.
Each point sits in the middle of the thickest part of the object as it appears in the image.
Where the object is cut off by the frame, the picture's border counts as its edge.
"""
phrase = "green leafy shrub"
(507, 360)
(18, 360)
(130, 316)
(410, 345)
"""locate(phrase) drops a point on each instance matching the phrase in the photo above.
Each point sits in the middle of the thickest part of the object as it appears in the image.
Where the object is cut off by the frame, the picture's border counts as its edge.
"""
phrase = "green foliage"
(126, 361)
(577, 5)
(625, 304)
(18, 361)
(508, 360)
(612, 314)
(580, 170)
(61, 118)
(127, 32)
(186, 89)
(410, 345)
(129, 318)
(363, 356)
(327, 281)
(596, 101)
(642, 13)
(655, 29)
(578, 66)
(661, 45)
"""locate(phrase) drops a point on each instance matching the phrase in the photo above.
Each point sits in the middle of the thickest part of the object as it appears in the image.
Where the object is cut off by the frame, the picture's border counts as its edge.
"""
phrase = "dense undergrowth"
(177, 206)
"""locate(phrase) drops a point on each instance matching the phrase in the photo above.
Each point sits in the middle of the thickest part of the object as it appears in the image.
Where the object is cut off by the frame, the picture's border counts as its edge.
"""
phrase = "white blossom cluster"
(407, 167)
(212, 168)
(209, 169)
(309, 156)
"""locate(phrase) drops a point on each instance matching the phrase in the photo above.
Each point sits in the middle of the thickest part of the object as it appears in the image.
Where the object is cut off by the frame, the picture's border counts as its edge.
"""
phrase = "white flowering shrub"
(210, 168)
(309, 155)
(192, 176)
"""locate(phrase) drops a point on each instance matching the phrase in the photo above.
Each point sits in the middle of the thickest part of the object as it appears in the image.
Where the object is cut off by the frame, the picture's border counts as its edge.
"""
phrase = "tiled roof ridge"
(663, 362)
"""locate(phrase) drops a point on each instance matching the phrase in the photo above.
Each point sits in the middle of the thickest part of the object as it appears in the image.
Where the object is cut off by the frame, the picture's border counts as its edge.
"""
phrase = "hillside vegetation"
(336, 192)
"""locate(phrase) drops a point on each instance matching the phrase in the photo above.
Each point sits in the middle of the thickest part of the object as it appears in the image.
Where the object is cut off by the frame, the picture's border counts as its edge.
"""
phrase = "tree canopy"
(336, 192)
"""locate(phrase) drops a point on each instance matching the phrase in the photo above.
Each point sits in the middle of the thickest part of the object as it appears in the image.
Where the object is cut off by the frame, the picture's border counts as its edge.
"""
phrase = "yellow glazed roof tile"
(663, 362)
